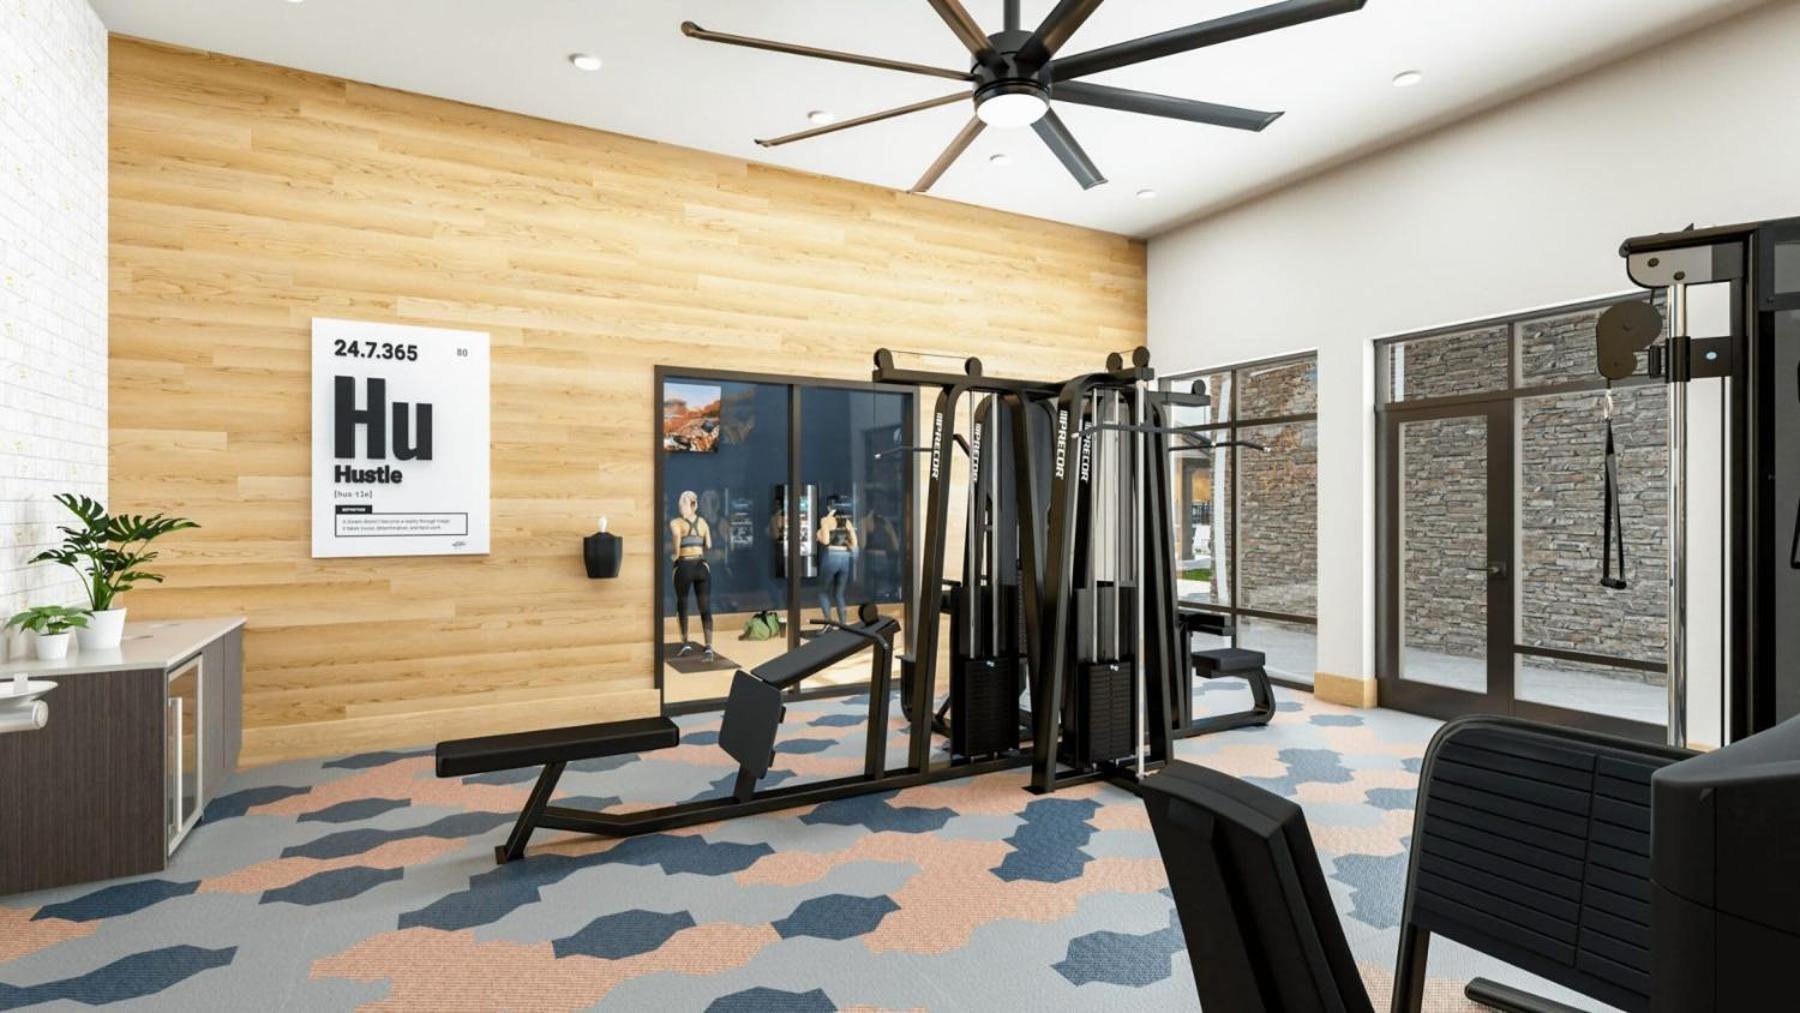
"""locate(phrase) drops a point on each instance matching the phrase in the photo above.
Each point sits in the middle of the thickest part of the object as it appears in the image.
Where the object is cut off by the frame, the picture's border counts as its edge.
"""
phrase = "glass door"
(1491, 601)
(1491, 461)
(722, 532)
(782, 501)
(1601, 652)
(854, 461)
(1447, 594)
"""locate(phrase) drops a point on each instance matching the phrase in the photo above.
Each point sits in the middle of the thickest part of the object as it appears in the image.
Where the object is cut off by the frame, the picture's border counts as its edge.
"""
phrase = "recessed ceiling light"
(296, 1)
(1407, 78)
(1146, 194)
(822, 116)
(585, 61)
(1000, 159)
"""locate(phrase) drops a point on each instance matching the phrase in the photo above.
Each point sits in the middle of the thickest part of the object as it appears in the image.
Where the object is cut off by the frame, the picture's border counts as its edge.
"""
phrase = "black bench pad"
(819, 653)
(460, 757)
(1226, 660)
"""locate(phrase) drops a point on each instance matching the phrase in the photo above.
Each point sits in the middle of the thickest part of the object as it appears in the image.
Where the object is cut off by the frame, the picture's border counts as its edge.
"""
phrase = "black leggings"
(693, 573)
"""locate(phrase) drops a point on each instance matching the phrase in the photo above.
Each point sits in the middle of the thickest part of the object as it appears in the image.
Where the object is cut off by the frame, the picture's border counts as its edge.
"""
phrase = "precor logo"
(937, 434)
(1062, 441)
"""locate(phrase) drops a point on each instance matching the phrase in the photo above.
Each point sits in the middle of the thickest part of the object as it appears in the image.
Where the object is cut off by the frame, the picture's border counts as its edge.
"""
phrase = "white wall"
(1519, 208)
(52, 283)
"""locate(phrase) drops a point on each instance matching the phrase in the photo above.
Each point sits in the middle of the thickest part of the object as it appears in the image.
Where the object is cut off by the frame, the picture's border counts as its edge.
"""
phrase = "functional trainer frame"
(1759, 361)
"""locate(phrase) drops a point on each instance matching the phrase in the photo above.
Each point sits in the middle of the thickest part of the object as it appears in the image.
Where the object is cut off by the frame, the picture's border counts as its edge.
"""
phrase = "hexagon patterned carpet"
(366, 883)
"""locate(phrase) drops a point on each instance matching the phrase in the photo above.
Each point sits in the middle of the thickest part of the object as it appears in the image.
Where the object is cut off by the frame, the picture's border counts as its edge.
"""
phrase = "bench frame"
(1262, 697)
(745, 800)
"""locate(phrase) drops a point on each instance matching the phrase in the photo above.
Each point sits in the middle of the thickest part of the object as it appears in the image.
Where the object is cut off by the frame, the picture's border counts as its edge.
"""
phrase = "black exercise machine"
(1008, 435)
(1758, 361)
(1015, 622)
(747, 733)
(1068, 575)
(1640, 875)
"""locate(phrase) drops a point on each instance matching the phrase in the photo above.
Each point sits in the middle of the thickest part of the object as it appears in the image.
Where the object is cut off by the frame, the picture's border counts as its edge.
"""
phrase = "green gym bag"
(762, 626)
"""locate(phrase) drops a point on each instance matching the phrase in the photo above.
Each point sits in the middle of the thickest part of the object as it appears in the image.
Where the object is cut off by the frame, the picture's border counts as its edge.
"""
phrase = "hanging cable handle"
(1794, 553)
(1612, 529)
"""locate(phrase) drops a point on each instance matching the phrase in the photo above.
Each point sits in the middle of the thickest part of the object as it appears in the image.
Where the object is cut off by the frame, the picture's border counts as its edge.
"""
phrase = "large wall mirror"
(783, 501)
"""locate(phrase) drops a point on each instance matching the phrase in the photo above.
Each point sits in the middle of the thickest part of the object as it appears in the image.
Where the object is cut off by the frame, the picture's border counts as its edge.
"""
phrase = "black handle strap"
(1612, 532)
(1794, 553)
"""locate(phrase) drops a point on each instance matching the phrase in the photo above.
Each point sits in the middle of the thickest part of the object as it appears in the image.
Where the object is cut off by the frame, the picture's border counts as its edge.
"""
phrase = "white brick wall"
(53, 263)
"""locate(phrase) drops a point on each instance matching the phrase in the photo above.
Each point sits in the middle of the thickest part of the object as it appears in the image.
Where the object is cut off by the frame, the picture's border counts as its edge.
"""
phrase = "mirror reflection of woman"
(690, 538)
(838, 536)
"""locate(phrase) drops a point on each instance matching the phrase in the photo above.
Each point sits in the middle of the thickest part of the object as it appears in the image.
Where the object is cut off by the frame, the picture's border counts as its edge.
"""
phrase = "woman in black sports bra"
(689, 540)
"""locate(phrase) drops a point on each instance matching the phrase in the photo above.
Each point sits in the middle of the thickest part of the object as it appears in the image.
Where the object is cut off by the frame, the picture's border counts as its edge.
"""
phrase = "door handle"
(1495, 571)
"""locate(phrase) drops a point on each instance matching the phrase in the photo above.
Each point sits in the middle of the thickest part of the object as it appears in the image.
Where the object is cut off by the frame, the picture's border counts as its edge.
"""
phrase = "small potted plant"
(52, 624)
(109, 553)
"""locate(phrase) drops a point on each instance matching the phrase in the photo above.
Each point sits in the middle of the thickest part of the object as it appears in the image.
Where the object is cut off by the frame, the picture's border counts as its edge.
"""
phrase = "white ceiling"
(1332, 78)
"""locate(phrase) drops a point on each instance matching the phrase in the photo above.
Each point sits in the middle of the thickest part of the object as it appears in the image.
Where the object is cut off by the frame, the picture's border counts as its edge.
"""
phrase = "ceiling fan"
(1017, 75)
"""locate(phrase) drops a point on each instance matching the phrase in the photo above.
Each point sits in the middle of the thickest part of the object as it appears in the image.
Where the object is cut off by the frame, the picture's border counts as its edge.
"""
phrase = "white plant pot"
(103, 631)
(52, 646)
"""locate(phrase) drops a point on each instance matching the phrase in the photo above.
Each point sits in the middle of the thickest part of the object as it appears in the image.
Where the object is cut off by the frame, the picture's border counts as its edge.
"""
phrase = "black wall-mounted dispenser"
(602, 551)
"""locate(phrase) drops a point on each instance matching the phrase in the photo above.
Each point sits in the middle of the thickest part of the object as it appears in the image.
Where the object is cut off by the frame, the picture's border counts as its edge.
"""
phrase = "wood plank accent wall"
(247, 199)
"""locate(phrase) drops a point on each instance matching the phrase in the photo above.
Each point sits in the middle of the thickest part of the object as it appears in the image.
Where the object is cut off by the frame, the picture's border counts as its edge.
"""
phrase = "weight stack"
(1107, 712)
(984, 706)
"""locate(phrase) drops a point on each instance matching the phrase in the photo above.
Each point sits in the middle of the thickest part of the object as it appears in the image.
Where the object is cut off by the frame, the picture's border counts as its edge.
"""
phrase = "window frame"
(1229, 429)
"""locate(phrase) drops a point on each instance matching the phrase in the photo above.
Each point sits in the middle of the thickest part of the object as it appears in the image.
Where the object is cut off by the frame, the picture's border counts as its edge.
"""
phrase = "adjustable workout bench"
(1220, 663)
(753, 714)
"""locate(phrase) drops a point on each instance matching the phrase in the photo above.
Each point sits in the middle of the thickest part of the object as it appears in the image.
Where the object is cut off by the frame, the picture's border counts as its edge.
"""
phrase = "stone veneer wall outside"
(1559, 452)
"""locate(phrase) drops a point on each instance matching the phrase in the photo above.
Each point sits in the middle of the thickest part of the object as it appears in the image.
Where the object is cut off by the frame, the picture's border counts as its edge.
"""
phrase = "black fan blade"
(693, 31)
(932, 103)
(1207, 33)
(1057, 137)
(1150, 104)
(964, 138)
(1056, 29)
(967, 30)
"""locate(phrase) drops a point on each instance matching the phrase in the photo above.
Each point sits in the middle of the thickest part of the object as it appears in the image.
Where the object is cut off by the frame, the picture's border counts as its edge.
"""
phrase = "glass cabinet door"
(183, 743)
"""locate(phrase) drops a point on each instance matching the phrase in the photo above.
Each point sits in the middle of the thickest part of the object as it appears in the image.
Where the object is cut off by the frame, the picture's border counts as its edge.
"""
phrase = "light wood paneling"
(246, 199)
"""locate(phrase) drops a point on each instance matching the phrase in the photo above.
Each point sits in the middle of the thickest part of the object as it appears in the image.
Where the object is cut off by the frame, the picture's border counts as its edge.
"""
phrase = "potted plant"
(52, 624)
(109, 552)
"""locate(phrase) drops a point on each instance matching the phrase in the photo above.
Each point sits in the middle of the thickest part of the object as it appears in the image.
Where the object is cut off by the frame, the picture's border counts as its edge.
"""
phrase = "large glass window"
(1246, 507)
(782, 502)
(1493, 506)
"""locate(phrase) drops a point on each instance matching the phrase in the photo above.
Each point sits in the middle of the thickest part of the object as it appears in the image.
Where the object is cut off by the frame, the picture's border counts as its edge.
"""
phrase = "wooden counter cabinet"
(139, 739)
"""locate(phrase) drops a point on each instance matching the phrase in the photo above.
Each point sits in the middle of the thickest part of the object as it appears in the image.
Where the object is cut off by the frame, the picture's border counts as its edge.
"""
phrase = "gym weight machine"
(1068, 573)
(1758, 362)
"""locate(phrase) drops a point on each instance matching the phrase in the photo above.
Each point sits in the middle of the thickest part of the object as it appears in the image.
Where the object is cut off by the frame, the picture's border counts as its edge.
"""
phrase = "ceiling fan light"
(1012, 107)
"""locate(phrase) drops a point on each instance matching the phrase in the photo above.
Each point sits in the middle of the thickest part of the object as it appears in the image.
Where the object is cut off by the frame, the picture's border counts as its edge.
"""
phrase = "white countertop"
(154, 644)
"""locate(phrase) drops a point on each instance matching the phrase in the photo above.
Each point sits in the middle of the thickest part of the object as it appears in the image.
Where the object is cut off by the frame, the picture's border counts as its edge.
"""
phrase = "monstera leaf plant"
(111, 554)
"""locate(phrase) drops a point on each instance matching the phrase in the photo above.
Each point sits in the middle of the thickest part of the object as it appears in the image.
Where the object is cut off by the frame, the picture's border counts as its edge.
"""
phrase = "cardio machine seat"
(460, 757)
(821, 652)
(1227, 661)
